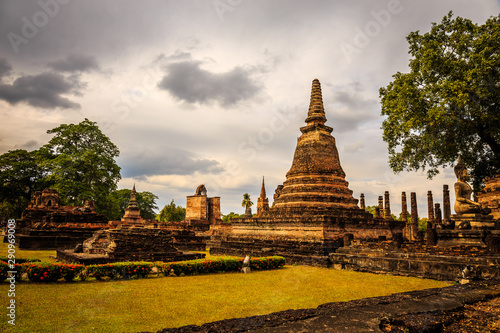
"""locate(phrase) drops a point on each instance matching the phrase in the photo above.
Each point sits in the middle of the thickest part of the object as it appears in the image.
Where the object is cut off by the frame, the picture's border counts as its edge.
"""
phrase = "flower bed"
(52, 272)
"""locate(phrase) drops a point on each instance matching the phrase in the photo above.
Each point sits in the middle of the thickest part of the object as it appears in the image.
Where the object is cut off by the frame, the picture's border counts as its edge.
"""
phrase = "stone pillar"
(446, 204)
(362, 201)
(414, 213)
(377, 212)
(431, 234)
(430, 206)
(381, 206)
(404, 208)
(437, 213)
(387, 206)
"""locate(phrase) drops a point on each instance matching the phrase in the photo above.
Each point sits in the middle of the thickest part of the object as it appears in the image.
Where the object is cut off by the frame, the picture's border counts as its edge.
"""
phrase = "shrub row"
(118, 270)
(41, 272)
(207, 266)
(51, 272)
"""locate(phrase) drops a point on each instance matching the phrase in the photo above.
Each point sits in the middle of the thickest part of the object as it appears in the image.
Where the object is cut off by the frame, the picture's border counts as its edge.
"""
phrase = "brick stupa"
(132, 214)
(316, 181)
(313, 210)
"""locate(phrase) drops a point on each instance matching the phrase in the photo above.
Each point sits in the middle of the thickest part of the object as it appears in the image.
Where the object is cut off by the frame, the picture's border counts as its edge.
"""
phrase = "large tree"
(21, 175)
(449, 103)
(172, 213)
(81, 160)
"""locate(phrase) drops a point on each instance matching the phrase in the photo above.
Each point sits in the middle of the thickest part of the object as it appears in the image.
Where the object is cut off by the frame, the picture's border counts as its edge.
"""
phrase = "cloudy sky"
(213, 92)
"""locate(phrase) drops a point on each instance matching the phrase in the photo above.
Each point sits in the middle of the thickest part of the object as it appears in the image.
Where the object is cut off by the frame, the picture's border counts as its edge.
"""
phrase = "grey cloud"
(75, 63)
(177, 56)
(29, 145)
(190, 83)
(42, 90)
(170, 162)
(5, 67)
(349, 108)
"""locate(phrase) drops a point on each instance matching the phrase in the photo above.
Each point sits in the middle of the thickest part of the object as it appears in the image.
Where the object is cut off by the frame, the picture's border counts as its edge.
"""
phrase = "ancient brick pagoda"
(314, 208)
(133, 212)
(316, 181)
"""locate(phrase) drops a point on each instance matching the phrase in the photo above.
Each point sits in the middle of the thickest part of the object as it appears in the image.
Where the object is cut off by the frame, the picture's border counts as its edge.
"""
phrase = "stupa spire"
(262, 201)
(263, 189)
(133, 198)
(316, 112)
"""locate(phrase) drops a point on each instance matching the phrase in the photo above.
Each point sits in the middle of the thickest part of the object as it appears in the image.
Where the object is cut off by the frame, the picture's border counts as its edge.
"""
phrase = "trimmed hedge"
(52, 272)
(222, 265)
(120, 270)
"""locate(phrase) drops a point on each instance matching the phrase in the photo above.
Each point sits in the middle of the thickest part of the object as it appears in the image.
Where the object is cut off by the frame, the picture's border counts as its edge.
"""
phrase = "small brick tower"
(262, 201)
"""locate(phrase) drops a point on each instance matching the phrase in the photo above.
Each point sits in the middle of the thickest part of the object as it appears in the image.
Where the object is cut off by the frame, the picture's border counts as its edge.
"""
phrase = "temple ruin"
(313, 211)
(47, 225)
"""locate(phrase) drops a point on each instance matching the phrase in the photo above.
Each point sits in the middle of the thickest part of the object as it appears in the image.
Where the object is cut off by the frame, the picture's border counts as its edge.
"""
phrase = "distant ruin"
(47, 225)
(202, 210)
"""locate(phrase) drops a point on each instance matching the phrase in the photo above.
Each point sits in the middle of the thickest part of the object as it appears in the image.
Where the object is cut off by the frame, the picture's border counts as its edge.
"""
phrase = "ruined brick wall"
(197, 207)
(214, 211)
(489, 196)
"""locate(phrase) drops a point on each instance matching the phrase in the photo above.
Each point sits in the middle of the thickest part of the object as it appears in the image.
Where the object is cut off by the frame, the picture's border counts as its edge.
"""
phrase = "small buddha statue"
(463, 191)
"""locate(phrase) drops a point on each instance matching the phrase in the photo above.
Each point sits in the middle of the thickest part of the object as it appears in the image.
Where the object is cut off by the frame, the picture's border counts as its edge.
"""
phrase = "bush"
(4, 267)
(222, 265)
(51, 272)
(118, 270)
(45, 272)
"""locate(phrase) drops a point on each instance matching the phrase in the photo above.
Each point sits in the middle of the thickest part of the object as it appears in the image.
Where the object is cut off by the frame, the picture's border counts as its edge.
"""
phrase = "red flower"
(41, 277)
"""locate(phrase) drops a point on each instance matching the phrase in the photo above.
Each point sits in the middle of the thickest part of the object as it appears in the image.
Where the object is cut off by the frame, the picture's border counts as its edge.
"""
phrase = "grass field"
(160, 302)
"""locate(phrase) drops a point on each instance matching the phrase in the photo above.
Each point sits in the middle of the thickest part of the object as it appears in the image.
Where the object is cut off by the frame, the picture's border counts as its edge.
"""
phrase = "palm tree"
(247, 203)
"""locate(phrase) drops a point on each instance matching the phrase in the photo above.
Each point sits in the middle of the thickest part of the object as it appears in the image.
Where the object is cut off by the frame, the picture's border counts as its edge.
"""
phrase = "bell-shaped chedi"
(313, 211)
(316, 180)
(132, 212)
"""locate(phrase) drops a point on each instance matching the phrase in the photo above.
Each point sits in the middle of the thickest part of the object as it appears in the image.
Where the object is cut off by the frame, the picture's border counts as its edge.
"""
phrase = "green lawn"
(155, 303)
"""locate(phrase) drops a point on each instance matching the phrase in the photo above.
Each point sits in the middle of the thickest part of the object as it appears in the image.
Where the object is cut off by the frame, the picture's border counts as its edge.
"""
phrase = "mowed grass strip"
(43, 255)
(152, 304)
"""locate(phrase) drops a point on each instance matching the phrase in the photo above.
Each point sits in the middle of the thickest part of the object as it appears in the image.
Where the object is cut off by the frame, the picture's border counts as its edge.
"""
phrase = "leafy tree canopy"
(172, 213)
(449, 103)
(118, 200)
(81, 160)
(20, 176)
(227, 218)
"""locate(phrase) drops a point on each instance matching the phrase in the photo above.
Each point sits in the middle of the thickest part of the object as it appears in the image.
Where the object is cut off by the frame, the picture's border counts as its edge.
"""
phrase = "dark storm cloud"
(75, 63)
(5, 67)
(169, 162)
(42, 90)
(190, 83)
